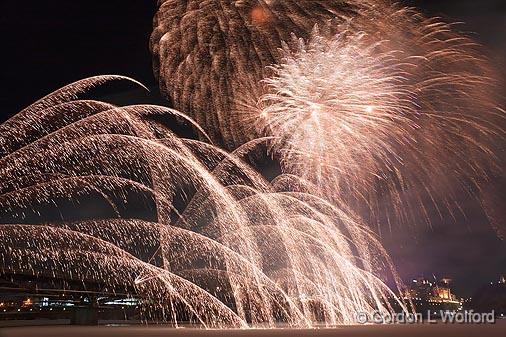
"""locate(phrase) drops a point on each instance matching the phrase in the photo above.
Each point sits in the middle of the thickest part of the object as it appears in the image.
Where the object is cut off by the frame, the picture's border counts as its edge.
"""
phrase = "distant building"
(432, 296)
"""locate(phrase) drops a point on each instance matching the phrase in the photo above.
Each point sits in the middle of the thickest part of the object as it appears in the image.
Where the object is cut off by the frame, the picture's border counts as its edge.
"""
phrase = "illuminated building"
(432, 296)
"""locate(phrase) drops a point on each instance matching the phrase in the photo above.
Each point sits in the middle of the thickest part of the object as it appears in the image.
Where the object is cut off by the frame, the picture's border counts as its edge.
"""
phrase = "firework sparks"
(240, 251)
(377, 102)
(369, 114)
(210, 56)
(364, 110)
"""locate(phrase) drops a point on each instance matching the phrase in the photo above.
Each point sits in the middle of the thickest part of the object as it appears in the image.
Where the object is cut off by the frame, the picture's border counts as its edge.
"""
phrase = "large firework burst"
(376, 103)
(209, 56)
(386, 106)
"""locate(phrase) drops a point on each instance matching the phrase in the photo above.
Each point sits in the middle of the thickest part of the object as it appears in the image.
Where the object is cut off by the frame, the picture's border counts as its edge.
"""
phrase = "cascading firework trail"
(216, 244)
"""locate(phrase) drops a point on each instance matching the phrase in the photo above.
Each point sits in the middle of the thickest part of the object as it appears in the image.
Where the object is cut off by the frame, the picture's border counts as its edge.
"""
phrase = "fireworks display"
(360, 117)
(240, 251)
(360, 101)
(365, 100)
(211, 56)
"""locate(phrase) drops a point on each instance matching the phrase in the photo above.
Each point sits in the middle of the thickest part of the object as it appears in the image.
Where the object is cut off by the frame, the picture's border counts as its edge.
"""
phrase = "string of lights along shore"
(358, 102)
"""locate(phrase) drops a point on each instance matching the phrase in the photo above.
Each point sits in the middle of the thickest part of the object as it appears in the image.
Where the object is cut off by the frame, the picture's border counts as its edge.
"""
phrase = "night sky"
(47, 44)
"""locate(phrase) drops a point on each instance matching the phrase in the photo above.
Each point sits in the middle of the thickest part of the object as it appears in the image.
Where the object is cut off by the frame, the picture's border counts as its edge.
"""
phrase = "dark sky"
(47, 44)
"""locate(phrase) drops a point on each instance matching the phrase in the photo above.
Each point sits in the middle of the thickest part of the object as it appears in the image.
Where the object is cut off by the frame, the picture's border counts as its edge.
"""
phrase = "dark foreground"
(442, 330)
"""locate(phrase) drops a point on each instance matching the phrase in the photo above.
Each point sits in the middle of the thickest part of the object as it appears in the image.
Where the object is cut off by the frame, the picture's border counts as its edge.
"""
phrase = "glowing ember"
(259, 15)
